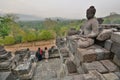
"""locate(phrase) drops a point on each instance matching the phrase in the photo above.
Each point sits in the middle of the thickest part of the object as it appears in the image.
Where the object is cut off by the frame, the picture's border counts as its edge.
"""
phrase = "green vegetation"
(13, 31)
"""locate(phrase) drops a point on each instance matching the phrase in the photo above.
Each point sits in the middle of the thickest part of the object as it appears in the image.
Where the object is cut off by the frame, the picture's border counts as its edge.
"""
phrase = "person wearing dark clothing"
(39, 54)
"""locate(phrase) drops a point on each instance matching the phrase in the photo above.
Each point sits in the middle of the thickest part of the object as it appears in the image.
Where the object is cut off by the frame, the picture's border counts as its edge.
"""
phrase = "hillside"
(113, 18)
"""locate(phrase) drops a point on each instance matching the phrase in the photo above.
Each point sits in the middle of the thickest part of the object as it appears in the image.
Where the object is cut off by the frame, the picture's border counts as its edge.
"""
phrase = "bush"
(30, 36)
(18, 39)
(46, 35)
(9, 40)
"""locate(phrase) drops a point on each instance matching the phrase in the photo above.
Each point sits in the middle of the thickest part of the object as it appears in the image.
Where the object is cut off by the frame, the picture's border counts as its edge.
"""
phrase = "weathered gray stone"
(96, 65)
(80, 70)
(76, 60)
(115, 37)
(118, 74)
(78, 77)
(71, 67)
(107, 54)
(116, 49)
(116, 60)
(2, 50)
(98, 75)
(30, 74)
(5, 65)
(109, 65)
(23, 68)
(111, 76)
(7, 76)
(108, 44)
(5, 56)
(68, 78)
(86, 55)
(90, 77)
(100, 54)
(105, 34)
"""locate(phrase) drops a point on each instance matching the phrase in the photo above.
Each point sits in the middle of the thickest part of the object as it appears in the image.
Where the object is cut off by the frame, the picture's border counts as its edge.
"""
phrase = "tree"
(4, 29)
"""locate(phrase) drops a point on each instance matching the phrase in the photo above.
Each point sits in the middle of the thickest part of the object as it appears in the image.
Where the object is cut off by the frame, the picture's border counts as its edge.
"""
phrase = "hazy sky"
(59, 8)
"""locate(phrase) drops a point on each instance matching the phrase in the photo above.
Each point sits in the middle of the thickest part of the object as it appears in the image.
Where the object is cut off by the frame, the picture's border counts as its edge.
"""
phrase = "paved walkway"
(47, 70)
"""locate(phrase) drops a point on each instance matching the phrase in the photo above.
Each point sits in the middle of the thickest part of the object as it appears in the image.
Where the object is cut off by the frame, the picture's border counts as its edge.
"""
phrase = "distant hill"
(113, 18)
(25, 17)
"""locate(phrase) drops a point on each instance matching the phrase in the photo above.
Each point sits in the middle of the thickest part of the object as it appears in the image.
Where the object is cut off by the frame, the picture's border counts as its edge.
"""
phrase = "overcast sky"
(59, 8)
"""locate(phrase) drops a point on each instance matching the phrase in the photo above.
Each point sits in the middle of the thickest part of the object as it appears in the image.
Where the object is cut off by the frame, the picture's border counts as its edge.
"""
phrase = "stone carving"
(89, 30)
(6, 59)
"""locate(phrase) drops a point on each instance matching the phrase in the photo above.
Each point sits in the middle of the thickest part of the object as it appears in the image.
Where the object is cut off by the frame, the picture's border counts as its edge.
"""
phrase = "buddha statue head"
(90, 13)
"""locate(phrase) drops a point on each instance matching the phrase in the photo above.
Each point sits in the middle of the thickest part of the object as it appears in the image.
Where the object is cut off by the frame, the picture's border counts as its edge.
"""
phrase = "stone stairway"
(47, 70)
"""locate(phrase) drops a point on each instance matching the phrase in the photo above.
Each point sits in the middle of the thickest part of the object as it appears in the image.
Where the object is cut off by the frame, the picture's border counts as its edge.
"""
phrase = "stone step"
(109, 65)
(95, 65)
(111, 76)
(92, 75)
(93, 53)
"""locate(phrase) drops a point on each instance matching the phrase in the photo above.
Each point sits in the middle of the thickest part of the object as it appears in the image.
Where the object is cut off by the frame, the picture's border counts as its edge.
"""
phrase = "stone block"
(111, 76)
(109, 65)
(7, 76)
(80, 70)
(71, 67)
(78, 77)
(116, 60)
(118, 74)
(115, 37)
(108, 44)
(86, 55)
(107, 54)
(100, 54)
(23, 68)
(5, 65)
(116, 49)
(5, 56)
(98, 75)
(76, 60)
(29, 75)
(95, 65)
(68, 78)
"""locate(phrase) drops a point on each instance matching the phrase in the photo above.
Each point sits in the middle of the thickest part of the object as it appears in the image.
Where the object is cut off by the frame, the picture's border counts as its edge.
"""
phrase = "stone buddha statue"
(90, 29)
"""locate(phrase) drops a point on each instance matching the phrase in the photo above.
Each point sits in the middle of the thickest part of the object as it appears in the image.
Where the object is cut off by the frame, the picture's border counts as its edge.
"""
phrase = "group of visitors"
(40, 53)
